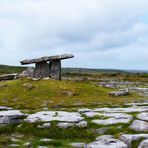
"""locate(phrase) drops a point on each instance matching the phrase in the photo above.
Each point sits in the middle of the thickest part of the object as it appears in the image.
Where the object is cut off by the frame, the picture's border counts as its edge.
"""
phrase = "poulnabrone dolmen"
(49, 66)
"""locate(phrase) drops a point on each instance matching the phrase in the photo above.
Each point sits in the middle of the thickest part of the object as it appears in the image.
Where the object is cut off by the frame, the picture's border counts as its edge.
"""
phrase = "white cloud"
(101, 33)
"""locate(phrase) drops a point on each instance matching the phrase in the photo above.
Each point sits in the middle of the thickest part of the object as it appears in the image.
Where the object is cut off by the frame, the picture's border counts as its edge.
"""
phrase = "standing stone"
(41, 70)
(55, 70)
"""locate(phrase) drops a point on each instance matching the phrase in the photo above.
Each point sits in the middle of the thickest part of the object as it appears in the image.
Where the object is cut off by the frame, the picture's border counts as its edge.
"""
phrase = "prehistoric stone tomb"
(49, 66)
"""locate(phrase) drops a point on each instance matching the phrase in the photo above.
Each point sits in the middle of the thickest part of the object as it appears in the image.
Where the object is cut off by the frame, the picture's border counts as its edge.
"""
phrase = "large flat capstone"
(47, 58)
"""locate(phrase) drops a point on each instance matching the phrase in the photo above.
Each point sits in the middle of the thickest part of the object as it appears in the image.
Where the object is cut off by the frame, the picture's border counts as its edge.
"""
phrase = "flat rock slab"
(11, 117)
(47, 58)
(111, 121)
(143, 116)
(8, 77)
(78, 145)
(143, 144)
(123, 110)
(129, 138)
(119, 93)
(60, 116)
(140, 126)
(107, 141)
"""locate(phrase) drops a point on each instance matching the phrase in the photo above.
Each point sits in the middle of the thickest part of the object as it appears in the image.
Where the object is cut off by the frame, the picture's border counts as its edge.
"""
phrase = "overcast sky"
(100, 33)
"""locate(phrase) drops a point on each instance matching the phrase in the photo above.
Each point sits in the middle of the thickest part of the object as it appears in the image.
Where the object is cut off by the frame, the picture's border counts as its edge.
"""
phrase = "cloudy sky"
(100, 33)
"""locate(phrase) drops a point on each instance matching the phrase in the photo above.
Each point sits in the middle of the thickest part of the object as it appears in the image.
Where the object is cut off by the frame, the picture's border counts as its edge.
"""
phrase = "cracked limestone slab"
(62, 116)
(107, 141)
(129, 138)
(111, 121)
(143, 144)
(140, 126)
(113, 115)
(143, 116)
(11, 116)
(123, 110)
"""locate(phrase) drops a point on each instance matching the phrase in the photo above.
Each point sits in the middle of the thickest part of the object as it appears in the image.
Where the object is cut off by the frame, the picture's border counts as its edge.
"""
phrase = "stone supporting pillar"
(55, 69)
(41, 70)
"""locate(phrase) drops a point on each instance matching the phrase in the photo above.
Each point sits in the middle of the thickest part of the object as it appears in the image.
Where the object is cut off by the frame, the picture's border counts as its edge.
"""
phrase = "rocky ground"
(119, 127)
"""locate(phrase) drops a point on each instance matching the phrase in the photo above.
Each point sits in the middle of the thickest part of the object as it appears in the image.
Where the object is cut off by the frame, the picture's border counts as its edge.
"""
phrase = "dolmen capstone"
(48, 66)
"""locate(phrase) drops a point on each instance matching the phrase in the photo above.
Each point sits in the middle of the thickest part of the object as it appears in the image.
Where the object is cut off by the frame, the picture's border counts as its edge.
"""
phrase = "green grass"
(5, 69)
(57, 94)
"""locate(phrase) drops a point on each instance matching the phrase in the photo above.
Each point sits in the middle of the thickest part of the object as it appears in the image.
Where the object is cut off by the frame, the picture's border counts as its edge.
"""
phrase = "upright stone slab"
(55, 70)
(41, 70)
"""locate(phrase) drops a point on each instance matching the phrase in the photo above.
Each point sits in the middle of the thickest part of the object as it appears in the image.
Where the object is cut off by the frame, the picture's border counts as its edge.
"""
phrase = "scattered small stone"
(82, 124)
(140, 126)
(45, 125)
(119, 93)
(15, 140)
(65, 124)
(14, 145)
(27, 144)
(46, 140)
(78, 145)
(28, 85)
(42, 147)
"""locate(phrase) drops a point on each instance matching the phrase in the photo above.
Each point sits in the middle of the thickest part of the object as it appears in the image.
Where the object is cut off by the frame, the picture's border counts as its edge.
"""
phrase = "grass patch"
(56, 94)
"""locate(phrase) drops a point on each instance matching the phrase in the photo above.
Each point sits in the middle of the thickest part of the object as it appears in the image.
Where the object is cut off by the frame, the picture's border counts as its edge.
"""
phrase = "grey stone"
(143, 116)
(143, 144)
(47, 58)
(55, 70)
(9, 77)
(61, 116)
(78, 145)
(129, 138)
(44, 125)
(41, 70)
(65, 125)
(107, 141)
(11, 117)
(82, 124)
(140, 126)
(27, 73)
(45, 70)
(27, 144)
(123, 110)
(119, 93)
(46, 140)
(14, 145)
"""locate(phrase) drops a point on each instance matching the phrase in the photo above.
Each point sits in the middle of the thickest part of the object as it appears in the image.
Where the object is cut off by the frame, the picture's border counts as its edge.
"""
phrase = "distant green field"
(5, 69)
